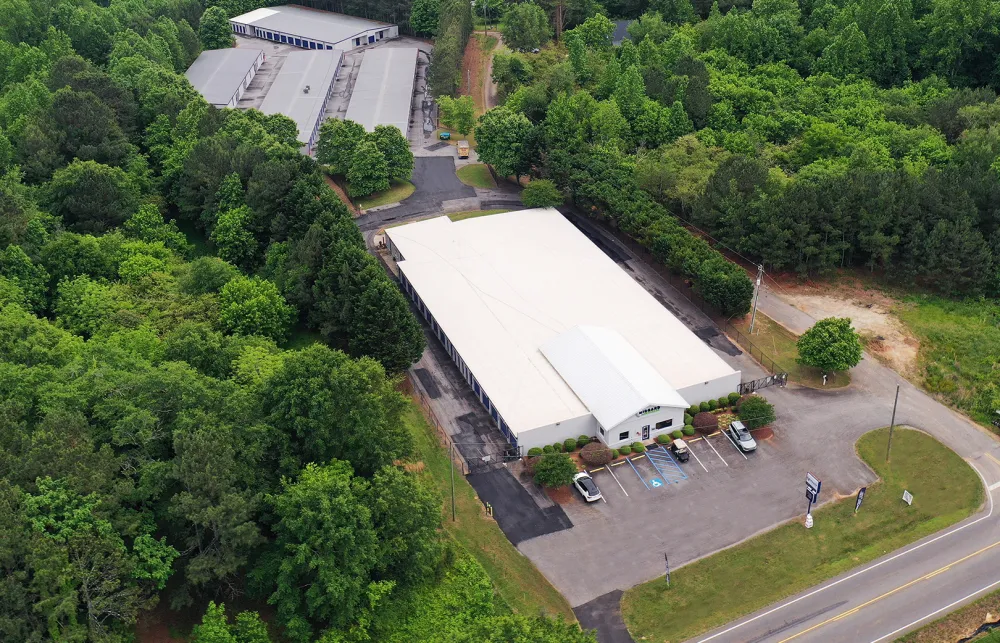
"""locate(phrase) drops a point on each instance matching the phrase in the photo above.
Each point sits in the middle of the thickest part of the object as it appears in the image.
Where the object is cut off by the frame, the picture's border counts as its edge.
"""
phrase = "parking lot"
(658, 471)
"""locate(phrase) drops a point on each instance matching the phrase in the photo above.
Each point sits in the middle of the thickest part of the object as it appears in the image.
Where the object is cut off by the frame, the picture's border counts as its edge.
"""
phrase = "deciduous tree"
(214, 30)
(830, 345)
(369, 170)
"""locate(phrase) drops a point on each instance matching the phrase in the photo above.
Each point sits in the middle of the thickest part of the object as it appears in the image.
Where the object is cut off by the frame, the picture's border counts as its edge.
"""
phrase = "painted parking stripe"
(619, 483)
(739, 450)
(639, 475)
(691, 451)
(712, 447)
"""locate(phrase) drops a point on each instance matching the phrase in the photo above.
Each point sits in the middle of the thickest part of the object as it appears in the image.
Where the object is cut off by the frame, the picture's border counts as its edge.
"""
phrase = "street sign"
(812, 483)
(907, 497)
(861, 498)
(810, 496)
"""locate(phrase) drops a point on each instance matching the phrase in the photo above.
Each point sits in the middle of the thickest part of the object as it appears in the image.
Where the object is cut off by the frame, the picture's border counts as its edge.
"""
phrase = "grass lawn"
(472, 214)
(778, 343)
(516, 579)
(789, 559)
(398, 191)
(959, 342)
(477, 175)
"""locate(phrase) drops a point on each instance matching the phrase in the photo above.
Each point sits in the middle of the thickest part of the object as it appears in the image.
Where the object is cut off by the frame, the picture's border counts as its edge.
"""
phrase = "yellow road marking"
(596, 470)
(854, 610)
(990, 456)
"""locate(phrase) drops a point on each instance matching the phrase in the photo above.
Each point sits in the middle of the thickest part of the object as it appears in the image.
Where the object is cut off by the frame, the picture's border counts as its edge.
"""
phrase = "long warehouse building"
(383, 91)
(311, 28)
(553, 337)
(222, 75)
(302, 90)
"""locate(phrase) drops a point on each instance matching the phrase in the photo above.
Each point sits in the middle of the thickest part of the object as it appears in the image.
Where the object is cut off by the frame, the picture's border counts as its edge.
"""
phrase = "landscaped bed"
(789, 558)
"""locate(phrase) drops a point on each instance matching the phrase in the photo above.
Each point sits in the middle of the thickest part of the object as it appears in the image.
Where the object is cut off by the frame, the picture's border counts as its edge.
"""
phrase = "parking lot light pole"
(892, 424)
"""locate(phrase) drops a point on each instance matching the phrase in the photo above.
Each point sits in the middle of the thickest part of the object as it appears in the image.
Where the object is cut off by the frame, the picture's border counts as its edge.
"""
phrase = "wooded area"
(199, 365)
(808, 136)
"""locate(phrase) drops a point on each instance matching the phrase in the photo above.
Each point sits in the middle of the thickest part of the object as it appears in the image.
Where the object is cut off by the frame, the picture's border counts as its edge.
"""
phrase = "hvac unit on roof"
(305, 90)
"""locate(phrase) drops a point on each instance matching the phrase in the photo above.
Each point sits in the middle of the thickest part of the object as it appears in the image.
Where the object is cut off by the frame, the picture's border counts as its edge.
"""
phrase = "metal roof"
(313, 24)
(502, 286)
(218, 73)
(608, 374)
(383, 91)
(314, 70)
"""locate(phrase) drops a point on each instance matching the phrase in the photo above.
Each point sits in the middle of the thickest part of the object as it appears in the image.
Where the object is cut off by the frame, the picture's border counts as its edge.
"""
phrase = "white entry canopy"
(608, 374)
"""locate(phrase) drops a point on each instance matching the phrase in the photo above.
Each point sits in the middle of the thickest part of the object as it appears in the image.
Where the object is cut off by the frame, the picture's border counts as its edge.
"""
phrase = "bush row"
(605, 185)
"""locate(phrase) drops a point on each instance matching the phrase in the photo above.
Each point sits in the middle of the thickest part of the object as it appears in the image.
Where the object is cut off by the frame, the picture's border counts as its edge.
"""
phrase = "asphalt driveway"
(435, 181)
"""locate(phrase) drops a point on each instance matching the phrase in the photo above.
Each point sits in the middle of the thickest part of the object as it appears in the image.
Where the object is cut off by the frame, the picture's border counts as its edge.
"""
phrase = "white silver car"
(587, 487)
(741, 436)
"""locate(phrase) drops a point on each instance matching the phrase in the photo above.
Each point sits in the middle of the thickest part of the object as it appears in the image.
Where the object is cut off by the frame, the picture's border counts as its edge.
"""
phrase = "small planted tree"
(706, 423)
(369, 171)
(756, 412)
(555, 470)
(830, 345)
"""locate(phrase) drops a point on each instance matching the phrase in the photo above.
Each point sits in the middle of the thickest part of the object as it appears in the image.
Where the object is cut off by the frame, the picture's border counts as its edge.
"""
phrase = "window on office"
(664, 424)
(623, 435)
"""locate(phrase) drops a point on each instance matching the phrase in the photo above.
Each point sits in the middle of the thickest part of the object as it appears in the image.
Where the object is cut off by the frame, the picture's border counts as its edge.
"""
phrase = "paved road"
(908, 588)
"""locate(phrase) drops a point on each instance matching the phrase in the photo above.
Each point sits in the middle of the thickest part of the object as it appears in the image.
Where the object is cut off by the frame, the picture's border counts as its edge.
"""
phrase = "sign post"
(667, 562)
(907, 498)
(861, 498)
(813, 485)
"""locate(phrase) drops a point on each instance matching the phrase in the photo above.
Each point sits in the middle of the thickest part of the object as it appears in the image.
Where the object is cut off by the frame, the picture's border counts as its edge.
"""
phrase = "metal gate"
(778, 379)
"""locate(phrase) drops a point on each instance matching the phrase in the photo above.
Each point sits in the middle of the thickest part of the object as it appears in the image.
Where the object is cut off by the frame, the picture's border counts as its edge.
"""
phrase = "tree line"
(169, 431)
(804, 136)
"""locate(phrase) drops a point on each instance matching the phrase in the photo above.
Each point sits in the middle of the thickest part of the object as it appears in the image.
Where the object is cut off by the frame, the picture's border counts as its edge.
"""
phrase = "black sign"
(861, 498)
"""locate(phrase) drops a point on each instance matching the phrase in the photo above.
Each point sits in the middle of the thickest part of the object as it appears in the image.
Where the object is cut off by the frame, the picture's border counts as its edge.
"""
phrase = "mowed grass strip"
(780, 344)
(397, 191)
(472, 214)
(516, 579)
(790, 558)
(960, 624)
(477, 175)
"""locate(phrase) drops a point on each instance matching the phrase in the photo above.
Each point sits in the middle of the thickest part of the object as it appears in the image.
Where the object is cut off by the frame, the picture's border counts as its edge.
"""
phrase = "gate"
(778, 379)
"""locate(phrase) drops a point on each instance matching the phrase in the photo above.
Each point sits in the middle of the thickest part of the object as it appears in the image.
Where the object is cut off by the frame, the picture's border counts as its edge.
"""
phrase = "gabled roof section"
(608, 374)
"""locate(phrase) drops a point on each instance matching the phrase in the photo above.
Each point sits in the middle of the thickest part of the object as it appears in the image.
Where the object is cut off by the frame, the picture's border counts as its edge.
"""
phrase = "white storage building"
(554, 338)
(311, 28)
(301, 90)
(222, 75)
(383, 91)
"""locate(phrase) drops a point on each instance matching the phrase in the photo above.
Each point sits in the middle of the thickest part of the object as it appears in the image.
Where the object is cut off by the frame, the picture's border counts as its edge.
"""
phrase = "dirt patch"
(341, 194)
(871, 312)
(477, 66)
(559, 495)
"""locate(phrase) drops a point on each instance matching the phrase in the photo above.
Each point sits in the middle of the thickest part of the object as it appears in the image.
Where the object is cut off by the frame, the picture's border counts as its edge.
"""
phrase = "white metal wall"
(552, 433)
(712, 390)
(633, 426)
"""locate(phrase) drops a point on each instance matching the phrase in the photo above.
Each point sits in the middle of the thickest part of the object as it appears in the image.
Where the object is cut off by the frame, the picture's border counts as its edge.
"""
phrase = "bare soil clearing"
(872, 313)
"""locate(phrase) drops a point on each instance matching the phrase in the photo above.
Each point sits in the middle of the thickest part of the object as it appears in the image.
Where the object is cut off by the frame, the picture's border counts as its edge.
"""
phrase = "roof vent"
(305, 90)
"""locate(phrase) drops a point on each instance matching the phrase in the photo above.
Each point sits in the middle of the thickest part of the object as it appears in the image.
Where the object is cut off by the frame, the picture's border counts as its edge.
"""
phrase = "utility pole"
(892, 423)
(451, 456)
(756, 294)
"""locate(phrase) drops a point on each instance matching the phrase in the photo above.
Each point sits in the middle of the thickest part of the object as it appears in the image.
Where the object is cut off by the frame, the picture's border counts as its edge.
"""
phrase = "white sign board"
(907, 497)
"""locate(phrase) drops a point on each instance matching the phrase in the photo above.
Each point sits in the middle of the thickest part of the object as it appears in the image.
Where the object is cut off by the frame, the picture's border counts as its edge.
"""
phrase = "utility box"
(463, 149)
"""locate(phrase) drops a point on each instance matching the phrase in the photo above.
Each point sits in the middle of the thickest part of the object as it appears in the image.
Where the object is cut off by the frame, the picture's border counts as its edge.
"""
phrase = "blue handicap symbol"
(656, 482)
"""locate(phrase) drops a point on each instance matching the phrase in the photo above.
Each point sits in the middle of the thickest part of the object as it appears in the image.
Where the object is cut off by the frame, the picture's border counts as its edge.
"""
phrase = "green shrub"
(677, 434)
(615, 453)
(625, 449)
(557, 447)
(734, 397)
(569, 445)
(638, 447)
(582, 441)
(595, 454)
(711, 405)
(533, 451)
(556, 470)
(693, 410)
(688, 430)
(687, 418)
(704, 407)
(756, 412)
(547, 449)
(722, 402)
(663, 438)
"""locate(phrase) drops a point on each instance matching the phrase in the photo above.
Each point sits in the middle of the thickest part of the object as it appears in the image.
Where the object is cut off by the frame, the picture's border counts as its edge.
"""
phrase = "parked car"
(680, 450)
(741, 436)
(587, 487)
